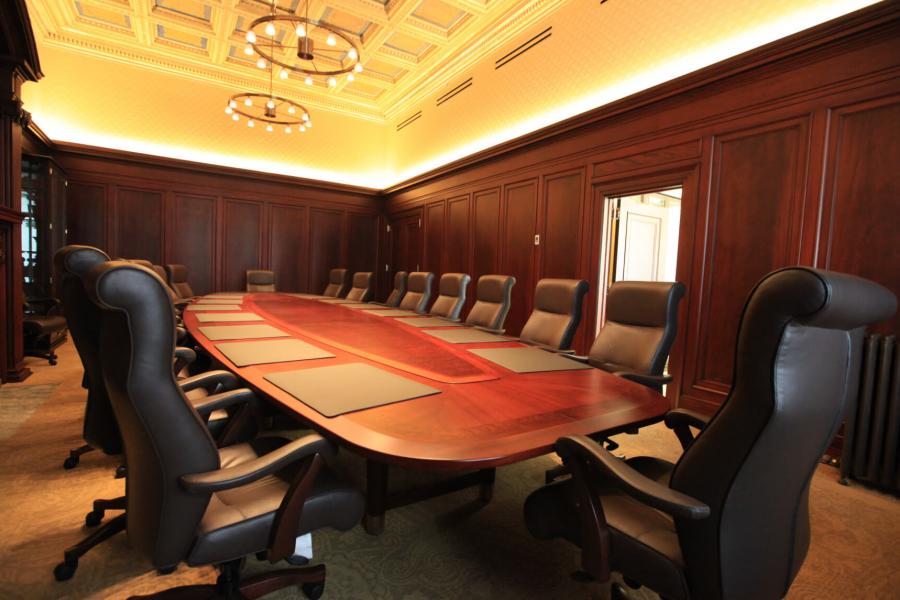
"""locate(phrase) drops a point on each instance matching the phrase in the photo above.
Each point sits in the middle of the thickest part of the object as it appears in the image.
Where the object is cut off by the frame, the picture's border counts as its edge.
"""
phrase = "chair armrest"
(183, 357)
(253, 470)
(206, 405)
(580, 358)
(181, 302)
(209, 381)
(632, 482)
(377, 303)
(180, 333)
(680, 420)
(652, 381)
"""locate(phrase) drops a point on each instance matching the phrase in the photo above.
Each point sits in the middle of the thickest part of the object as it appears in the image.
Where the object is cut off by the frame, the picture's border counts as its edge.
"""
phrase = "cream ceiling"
(153, 76)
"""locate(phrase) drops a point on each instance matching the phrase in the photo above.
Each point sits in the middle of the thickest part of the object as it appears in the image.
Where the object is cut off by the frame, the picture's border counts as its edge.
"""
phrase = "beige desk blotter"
(218, 300)
(240, 332)
(346, 388)
(228, 317)
(331, 300)
(360, 305)
(393, 312)
(466, 335)
(529, 360)
(429, 322)
(260, 352)
(214, 307)
(312, 296)
(229, 295)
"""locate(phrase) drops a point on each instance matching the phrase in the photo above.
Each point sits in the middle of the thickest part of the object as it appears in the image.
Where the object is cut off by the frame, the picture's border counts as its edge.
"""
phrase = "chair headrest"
(337, 276)
(258, 277)
(419, 282)
(362, 280)
(452, 284)
(644, 303)
(494, 288)
(177, 273)
(77, 260)
(115, 285)
(559, 295)
(142, 262)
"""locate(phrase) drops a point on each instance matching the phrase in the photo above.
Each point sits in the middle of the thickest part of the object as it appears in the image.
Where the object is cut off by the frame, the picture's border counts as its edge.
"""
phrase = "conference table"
(471, 414)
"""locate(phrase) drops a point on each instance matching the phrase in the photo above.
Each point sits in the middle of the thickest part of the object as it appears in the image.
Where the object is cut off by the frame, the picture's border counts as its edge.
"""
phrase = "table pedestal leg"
(376, 496)
(486, 487)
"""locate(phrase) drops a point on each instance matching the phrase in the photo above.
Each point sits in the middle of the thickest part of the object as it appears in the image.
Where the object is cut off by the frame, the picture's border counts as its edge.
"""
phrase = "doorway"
(643, 240)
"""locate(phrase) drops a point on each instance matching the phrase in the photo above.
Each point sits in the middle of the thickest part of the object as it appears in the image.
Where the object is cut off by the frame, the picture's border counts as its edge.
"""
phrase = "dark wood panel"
(624, 164)
(324, 247)
(86, 214)
(139, 223)
(242, 242)
(192, 239)
(406, 232)
(755, 197)
(517, 251)
(486, 233)
(563, 208)
(864, 195)
(456, 256)
(434, 239)
(288, 247)
(362, 240)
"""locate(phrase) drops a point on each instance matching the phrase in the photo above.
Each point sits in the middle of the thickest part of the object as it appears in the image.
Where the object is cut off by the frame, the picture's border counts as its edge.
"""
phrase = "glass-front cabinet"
(44, 225)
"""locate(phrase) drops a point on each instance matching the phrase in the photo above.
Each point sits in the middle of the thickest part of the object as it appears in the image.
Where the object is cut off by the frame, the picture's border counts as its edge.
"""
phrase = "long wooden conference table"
(477, 415)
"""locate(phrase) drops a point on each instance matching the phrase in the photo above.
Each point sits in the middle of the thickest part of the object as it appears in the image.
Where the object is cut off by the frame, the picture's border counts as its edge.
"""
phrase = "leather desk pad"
(240, 332)
(467, 335)
(259, 352)
(528, 360)
(227, 317)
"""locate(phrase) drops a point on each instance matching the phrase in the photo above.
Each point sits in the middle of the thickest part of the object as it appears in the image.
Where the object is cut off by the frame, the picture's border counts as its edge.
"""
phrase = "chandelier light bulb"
(248, 102)
(228, 110)
(301, 30)
(352, 54)
(270, 29)
(232, 104)
(270, 104)
(331, 40)
(283, 74)
(269, 128)
(250, 123)
(261, 63)
(305, 117)
(248, 50)
(251, 37)
(332, 82)
(308, 80)
(287, 129)
(308, 124)
(235, 117)
(350, 77)
(291, 109)
(302, 129)
(358, 68)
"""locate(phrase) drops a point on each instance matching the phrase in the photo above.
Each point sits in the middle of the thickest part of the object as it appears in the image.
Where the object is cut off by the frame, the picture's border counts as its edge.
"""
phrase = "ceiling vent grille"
(461, 87)
(409, 121)
(523, 48)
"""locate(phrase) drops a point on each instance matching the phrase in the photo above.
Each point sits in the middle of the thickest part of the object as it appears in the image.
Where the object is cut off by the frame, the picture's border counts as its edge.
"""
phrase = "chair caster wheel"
(93, 518)
(52, 362)
(121, 471)
(64, 570)
(166, 570)
(70, 463)
(313, 591)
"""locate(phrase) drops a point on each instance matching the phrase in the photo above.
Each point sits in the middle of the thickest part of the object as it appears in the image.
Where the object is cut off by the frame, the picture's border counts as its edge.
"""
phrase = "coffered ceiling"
(405, 45)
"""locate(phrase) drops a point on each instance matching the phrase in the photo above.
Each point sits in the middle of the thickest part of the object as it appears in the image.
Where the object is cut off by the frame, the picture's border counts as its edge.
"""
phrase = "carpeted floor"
(451, 547)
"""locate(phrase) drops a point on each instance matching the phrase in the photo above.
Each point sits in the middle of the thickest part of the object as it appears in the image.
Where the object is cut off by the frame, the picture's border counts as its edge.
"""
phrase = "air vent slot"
(461, 87)
(523, 48)
(409, 121)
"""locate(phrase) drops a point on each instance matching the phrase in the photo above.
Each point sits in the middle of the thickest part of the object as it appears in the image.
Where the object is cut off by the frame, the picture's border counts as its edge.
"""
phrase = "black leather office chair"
(451, 296)
(556, 314)
(338, 283)
(363, 287)
(731, 518)
(396, 295)
(418, 292)
(260, 281)
(43, 328)
(187, 499)
(493, 297)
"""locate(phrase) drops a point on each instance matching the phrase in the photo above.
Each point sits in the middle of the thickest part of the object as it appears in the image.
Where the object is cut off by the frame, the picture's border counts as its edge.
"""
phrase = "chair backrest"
(141, 261)
(797, 361)
(418, 291)
(400, 279)
(556, 314)
(161, 272)
(493, 296)
(361, 291)
(338, 283)
(451, 295)
(71, 264)
(260, 281)
(163, 435)
(641, 323)
(176, 276)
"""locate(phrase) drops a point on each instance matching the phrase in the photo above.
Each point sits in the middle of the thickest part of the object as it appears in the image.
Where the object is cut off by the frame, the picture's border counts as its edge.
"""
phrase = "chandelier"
(298, 44)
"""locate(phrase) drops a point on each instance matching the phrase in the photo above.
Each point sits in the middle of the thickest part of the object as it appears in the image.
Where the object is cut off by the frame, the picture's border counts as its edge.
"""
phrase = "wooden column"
(18, 63)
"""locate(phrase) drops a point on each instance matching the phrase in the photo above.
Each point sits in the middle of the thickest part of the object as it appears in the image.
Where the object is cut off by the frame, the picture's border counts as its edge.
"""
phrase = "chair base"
(75, 456)
(230, 587)
(66, 569)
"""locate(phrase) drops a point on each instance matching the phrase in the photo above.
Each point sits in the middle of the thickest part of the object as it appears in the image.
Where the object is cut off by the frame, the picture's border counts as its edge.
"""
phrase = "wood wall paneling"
(751, 228)
(362, 242)
(456, 249)
(324, 246)
(434, 241)
(406, 251)
(86, 214)
(191, 239)
(242, 237)
(288, 247)
(486, 233)
(862, 197)
(517, 253)
(561, 239)
(138, 221)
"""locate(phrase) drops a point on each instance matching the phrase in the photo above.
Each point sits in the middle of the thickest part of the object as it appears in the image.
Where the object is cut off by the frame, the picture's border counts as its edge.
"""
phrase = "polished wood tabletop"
(485, 415)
